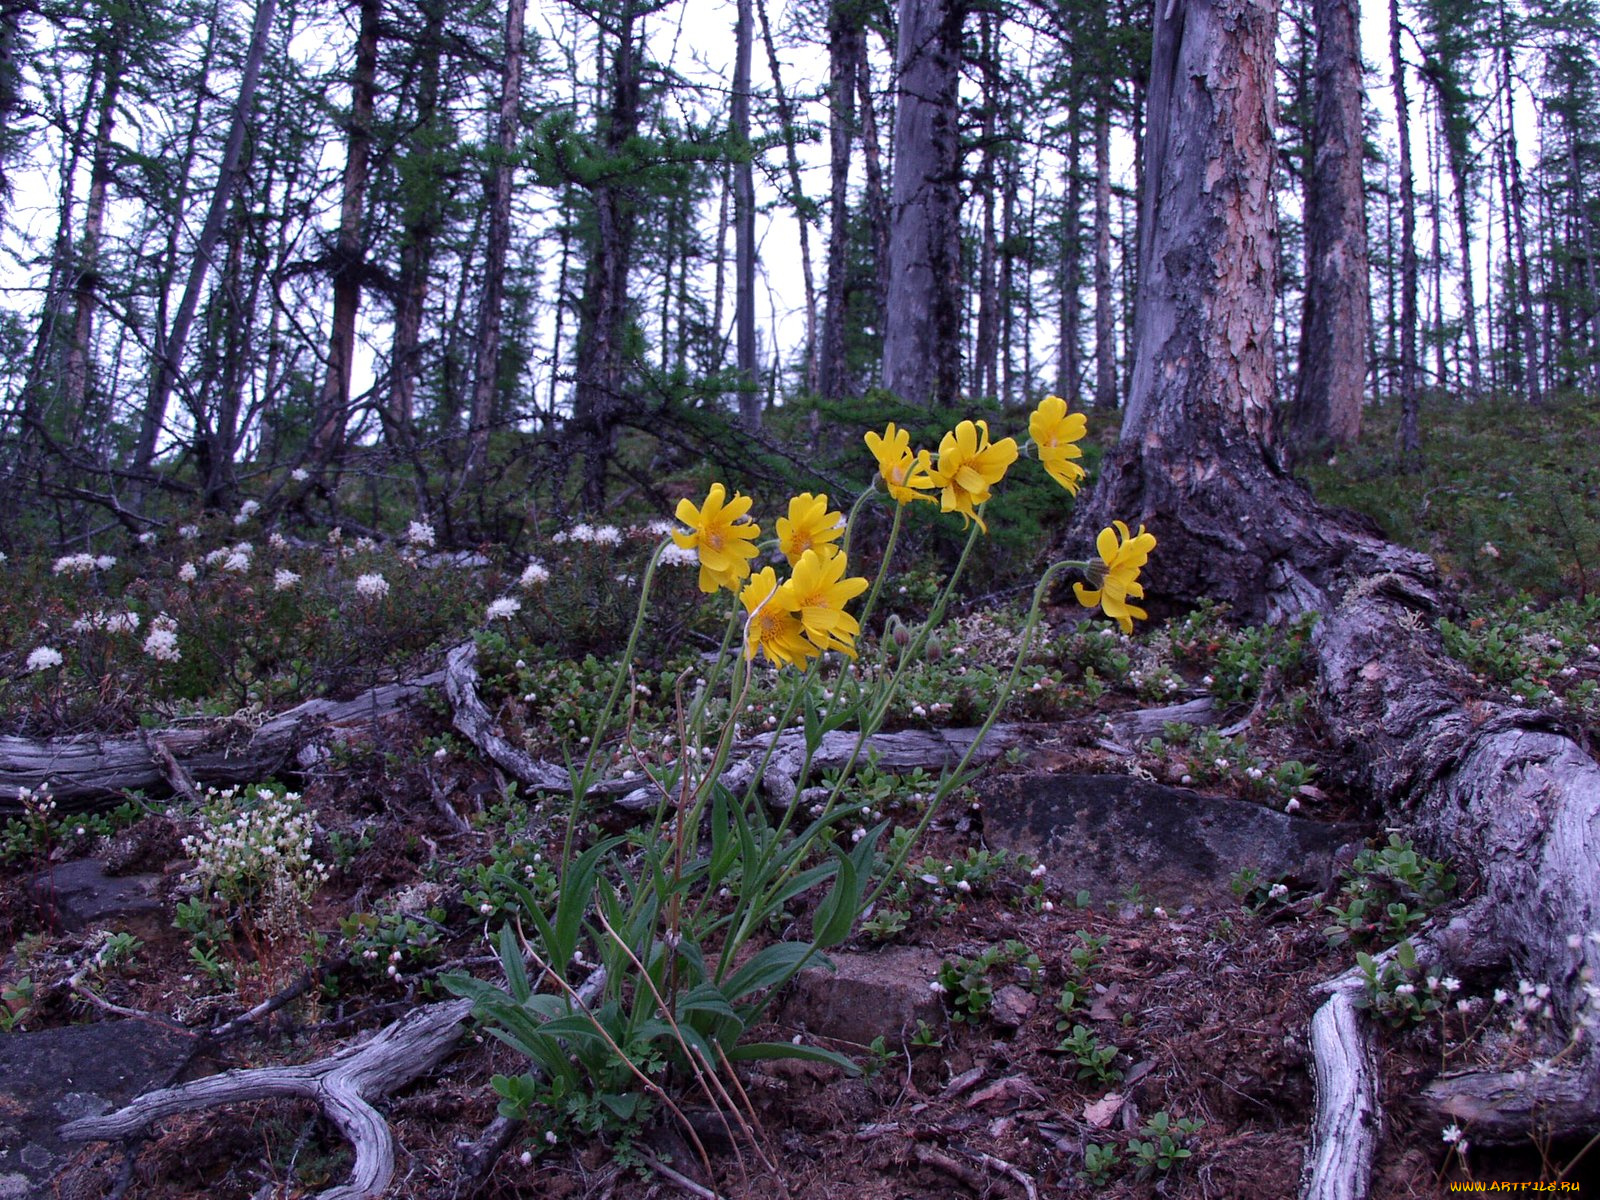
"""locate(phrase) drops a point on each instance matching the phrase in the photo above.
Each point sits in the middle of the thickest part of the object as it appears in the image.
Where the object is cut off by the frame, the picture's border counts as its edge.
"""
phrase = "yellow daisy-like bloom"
(818, 592)
(773, 628)
(905, 475)
(969, 466)
(809, 526)
(1056, 433)
(1116, 574)
(725, 541)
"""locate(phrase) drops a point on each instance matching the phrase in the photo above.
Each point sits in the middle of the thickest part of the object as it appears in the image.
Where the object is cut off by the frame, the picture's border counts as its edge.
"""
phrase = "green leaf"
(511, 963)
(768, 966)
(754, 1051)
(835, 916)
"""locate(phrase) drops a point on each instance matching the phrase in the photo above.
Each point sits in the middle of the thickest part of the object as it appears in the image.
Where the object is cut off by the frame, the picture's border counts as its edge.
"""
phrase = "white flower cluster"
(43, 658)
(676, 556)
(299, 474)
(233, 558)
(503, 608)
(277, 541)
(420, 533)
(162, 644)
(82, 564)
(246, 510)
(122, 622)
(534, 574)
(283, 579)
(255, 852)
(372, 587)
(188, 573)
(600, 535)
(147, 538)
(188, 532)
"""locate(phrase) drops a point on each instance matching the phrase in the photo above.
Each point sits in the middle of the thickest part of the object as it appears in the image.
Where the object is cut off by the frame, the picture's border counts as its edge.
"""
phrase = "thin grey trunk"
(797, 197)
(502, 178)
(1069, 368)
(333, 403)
(1105, 338)
(877, 196)
(1410, 431)
(922, 326)
(75, 375)
(1335, 317)
(844, 49)
(169, 351)
(1525, 334)
(744, 222)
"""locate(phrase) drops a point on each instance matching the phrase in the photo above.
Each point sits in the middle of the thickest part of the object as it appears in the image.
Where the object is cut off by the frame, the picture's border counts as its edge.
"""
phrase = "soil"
(1207, 1007)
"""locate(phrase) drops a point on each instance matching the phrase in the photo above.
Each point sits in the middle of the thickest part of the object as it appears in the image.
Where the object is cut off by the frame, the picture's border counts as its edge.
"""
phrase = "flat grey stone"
(1103, 834)
(80, 895)
(53, 1075)
(881, 994)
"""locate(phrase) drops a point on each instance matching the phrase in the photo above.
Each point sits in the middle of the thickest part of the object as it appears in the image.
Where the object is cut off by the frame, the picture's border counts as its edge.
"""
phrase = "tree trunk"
(420, 224)
(1069, 364)
(744, 221)
(877, 199)
(1331, 381)
(986, 347)
(1105, 337)
(922, 323)
(844, 50)
(1406, 367)
(802, 206)
(169, 349)
(1525, 339)
(601, 358)
(75, 376)
(1197, 443)
(502, 176)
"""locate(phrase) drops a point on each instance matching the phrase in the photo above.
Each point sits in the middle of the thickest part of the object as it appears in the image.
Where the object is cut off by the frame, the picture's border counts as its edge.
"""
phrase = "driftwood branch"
(344, 1085)
(1344, 1135)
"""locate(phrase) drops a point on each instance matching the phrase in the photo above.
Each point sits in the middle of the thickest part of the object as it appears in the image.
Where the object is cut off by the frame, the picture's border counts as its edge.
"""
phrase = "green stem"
(883, 566)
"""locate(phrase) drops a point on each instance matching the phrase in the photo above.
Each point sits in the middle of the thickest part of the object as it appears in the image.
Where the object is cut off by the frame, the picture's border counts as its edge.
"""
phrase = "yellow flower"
(724, 539)
(1116, 572)
(809, 526)
(818, 592)
(904, 473)
(969, 466)
(1056, 433)
(772, 628)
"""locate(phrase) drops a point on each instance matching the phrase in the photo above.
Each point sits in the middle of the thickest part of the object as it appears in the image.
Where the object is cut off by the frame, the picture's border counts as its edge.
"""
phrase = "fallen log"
(1512, 799)
(87, 769)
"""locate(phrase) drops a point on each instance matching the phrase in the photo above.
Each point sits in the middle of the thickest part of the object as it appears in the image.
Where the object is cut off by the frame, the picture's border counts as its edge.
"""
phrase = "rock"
(1103, 834)
(80, 895)
(55, 1075)
(1012, 1006)
(882, 994)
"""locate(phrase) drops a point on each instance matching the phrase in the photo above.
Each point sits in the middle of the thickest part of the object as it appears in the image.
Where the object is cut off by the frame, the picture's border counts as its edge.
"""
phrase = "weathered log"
(87, 769)
(1503, 793)
(475, 722)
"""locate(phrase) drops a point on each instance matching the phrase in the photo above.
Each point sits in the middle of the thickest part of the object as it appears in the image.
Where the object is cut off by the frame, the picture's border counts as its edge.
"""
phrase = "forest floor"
(1196, 1014)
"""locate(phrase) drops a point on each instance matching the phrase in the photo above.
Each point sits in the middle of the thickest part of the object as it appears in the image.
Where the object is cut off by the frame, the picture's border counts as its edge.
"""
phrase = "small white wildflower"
(1158, 911)
(236, 562)
(1277, 891)
(1047, 906)
(534, 574)
(1221, 764)
(246, 510)
(937, 988)
(1501, 996)
(963, 886)
(526, 1158)
(283, 579)
(503, 608)
(73, 564)
(188, 532)
(147, 538)
(1452, 1134)
(105, 562)
(1292, 806)
(162, 645)
(419, 533)
(372, 587)
(1038, 872)
(299, 474)
(1405, 989)
(605, 535)
(43, 658)
(1450, 983)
